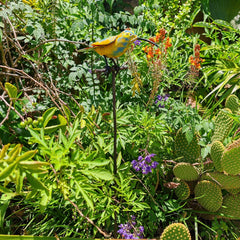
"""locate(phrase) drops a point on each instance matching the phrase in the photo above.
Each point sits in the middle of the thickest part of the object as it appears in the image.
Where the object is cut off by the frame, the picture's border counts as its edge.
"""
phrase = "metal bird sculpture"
(115, 46)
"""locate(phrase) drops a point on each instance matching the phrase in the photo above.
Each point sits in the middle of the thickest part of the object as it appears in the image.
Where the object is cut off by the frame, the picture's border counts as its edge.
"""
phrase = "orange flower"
(153, 39)
(168, 43)
(161, 35)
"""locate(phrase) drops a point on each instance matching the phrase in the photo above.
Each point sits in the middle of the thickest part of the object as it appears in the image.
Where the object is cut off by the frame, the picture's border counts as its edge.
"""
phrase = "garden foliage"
(177, 115)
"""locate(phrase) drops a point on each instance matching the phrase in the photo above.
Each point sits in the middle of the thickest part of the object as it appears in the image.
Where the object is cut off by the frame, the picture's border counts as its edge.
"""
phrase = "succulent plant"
(223, 124)
(231, 206)
(217, 150)
(231, 161)
(232, 102)
(223, 180)
(176, 231)
(186, 171)
(182, 191)
(189, 151)
(209, 195)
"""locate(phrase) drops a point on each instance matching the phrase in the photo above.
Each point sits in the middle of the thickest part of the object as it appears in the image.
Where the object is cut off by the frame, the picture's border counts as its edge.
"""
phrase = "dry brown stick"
(9, 105)
(34, 80)
(7, 115)
(78, 210)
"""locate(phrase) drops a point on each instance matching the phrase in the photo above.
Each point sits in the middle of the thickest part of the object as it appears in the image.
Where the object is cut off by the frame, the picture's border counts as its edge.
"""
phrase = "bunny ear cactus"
(182, 191)
(223, 180)
(176, 231)
(190, 151)
(231, 207)
(223, 124)
(232, 102)
(186, 171)
(231, 161)
(209, 195)
(217, 150)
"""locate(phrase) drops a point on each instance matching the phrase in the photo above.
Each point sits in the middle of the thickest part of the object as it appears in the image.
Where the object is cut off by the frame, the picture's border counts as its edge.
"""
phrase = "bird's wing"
(104, 42)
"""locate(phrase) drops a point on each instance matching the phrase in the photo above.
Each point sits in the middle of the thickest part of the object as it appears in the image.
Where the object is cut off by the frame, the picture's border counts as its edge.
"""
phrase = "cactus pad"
(231, 161)
(234, 191)
(217, 150)
(183, 190)
(232, 102)
(189, 151)
(223, 124)
(176, 231)
(231, 206)
(209, 195)
(225, 181)
(186, 171)
(234, 144)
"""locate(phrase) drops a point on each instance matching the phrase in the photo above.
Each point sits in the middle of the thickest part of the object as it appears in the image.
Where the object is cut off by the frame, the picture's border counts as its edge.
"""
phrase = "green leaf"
(4, 150)
(3, 208)
(15, 151)
(85, 196)
(67, 112)
(47, 115)
(1, 35)
(8, 170)
(27, 155)
(97, 162)
(11, 90)
(37, 138)
(19, 180)
(99, 174)
(119, 159)
(36, 183)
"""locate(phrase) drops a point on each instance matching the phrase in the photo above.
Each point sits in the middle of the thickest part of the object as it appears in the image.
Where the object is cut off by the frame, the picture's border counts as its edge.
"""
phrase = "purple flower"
(161, 99)
(145, 164)
(154, 164)
(130, 231)
(137, 43)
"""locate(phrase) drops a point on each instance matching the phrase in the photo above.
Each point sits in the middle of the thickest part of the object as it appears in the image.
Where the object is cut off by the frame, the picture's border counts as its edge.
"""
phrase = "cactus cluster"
(217, 189)
(176, 231)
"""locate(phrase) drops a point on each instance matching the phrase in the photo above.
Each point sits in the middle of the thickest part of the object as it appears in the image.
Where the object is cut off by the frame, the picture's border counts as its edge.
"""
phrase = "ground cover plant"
(156, 156)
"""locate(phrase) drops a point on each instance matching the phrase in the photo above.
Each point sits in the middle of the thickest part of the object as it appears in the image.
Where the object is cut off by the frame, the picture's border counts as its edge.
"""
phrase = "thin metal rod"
(114, 123)
(146, 40)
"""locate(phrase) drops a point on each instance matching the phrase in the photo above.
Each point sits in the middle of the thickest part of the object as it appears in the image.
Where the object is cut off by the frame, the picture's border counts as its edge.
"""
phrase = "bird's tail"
(85, 49)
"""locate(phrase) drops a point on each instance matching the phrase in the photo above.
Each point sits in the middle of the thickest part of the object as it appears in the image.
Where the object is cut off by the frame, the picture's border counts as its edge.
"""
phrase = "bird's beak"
(143, 39)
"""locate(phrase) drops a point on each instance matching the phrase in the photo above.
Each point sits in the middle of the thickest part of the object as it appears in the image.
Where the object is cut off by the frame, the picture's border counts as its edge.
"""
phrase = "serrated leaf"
(11, 90)
(85, 196)
(37, 138)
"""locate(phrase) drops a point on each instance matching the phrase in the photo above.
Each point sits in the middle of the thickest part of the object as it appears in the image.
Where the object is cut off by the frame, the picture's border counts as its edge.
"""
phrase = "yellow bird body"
(115, 46)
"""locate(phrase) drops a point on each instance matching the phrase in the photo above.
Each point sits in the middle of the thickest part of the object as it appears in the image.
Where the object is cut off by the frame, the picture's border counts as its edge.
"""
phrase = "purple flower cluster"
(145, 164)
(161, 99)
(130, 231)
